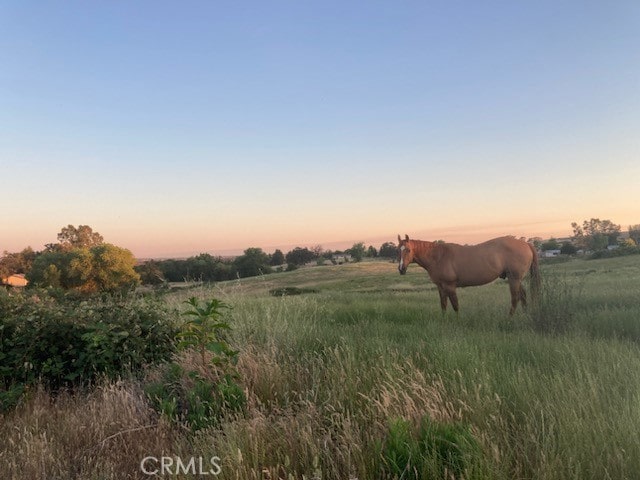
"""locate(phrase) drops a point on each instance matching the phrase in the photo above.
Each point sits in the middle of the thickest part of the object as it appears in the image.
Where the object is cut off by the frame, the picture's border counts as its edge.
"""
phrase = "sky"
(176, 128)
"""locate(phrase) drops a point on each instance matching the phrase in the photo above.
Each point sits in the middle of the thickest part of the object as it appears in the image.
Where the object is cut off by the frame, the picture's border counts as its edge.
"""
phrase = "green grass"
(361, 371)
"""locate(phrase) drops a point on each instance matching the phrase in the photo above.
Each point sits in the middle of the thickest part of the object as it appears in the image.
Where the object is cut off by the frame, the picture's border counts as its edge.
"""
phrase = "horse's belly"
(475, 281)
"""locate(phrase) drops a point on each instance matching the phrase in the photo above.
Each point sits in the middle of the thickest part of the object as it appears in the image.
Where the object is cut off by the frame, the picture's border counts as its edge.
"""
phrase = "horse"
(450, 265)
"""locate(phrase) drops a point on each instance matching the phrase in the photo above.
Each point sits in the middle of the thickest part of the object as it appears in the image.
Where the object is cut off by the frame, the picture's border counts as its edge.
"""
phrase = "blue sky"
(174, 128)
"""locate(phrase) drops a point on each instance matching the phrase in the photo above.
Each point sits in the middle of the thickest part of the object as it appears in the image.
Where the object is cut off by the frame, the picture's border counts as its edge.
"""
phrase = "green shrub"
(66, 342)
(202, 392)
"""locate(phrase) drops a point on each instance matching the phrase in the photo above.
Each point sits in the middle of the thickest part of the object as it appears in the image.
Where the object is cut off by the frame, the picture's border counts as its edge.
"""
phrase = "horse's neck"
(425, 255)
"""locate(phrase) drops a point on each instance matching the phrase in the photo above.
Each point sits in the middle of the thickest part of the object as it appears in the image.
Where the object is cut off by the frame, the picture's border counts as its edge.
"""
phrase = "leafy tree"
(18, 262)
(111, 269)
(103, 267)
(357, 251)
(595, 234)
(150, 273)
(254, 262)
(277, 258)
(551, 244)
(299, 256)
(388, 250)
(372, 252)
(634, 233)
(202, 267)
(81, 237)
(535, 241)
(568, 248)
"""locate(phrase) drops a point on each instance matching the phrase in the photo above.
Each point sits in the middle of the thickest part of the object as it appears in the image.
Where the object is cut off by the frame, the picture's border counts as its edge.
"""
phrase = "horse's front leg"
(443, 298)
(448, 290)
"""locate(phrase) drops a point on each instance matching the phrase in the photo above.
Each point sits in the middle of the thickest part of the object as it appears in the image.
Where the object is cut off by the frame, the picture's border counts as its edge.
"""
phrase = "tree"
(535, 241)
(102, 268)
(150, 273)
(357, 251)
(595, 234)
(277, 258)
(568, 248)
(388, 250)
(634, 233)
(112, 269)
(551, 244)
(18, 262)
(254, 262)
(81, 237)
(372, 252)
(299, 256)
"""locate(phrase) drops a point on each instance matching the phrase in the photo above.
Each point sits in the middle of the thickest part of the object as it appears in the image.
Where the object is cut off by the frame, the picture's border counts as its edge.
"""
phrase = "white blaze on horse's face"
(402, 265)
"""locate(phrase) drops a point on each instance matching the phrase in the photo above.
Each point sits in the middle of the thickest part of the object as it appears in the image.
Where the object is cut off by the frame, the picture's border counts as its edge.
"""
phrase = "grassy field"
(361, 376)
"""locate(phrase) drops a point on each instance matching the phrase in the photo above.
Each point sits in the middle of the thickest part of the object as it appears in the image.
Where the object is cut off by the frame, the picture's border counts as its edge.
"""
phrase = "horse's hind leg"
(453, 296)
(523, 296)
(515, 287)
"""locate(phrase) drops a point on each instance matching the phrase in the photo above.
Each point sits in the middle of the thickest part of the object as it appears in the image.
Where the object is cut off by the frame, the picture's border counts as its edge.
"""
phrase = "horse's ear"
(406, 237)
(399, 239)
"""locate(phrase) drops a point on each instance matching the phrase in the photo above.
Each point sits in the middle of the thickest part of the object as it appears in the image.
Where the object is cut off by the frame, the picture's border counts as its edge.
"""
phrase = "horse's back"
(482, 263)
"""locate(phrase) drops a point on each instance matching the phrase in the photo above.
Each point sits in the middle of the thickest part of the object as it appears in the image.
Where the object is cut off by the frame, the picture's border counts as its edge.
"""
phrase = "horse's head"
(405, 254)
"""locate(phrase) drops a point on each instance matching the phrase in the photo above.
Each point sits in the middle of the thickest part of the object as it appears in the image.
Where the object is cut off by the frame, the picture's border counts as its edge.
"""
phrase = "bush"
(192, 398)
(201, 393)
(66, 343)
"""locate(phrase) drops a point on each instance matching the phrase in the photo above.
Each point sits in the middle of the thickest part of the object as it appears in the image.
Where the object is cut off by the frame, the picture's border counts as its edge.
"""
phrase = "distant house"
(551, 253)
(15, 280)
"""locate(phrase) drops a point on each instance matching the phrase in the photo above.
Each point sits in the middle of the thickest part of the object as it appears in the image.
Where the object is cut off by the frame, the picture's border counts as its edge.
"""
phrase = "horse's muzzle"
(402, 270)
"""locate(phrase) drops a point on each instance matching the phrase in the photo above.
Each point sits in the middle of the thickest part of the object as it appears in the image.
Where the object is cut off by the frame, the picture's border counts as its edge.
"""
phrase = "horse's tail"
(534, 270)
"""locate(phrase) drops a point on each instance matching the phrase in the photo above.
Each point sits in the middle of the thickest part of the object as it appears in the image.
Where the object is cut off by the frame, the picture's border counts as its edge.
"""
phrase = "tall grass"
(342, 383)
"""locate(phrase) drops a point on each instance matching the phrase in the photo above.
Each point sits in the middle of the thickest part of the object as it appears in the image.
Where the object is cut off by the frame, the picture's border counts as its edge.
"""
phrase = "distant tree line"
(82, 261)
(253, 262)
(597, 237)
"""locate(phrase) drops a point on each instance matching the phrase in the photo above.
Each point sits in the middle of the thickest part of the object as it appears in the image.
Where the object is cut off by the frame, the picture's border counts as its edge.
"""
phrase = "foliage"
(184, 396)
(434, 450)
(357, 251)
(254, 262)
(388, 250)
(595, 234)
(150, 273)
(204, 331)
(568, 248)
(551, 244)
(101, 268)
(203, 267)
(616, 252)
(17, 262)
(82, 236)
(300, 256)
(201, 395)
(277, 258)
(71, 342)
(634, 233)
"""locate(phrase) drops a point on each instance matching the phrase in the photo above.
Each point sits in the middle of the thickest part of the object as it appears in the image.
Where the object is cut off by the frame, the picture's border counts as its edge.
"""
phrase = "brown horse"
(450, 265)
